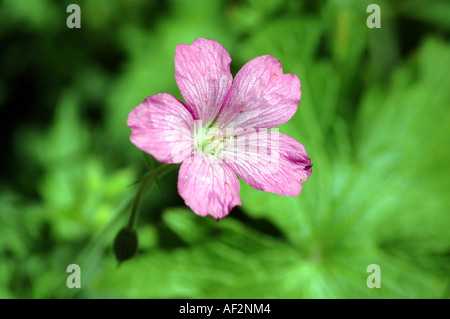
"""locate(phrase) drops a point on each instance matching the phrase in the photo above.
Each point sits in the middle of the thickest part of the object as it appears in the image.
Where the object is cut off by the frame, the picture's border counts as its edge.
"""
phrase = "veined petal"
(269, 161)
(208, 186)
(261, 96)
(202, 72)
(163, 127)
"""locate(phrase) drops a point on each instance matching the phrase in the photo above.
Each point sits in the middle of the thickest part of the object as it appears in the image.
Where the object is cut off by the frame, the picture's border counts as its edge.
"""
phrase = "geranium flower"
(222, 128)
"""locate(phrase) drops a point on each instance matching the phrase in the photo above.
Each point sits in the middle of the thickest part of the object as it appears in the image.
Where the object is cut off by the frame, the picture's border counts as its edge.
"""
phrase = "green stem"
(148, 177)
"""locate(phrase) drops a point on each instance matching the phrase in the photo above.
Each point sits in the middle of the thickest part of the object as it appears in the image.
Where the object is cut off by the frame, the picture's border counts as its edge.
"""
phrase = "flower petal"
(202, 72)
(269, 161)
(163, 127)
(261, 96)
(208, 186)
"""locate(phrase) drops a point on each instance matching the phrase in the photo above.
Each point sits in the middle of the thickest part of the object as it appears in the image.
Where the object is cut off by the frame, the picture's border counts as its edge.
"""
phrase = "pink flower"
(221, 130)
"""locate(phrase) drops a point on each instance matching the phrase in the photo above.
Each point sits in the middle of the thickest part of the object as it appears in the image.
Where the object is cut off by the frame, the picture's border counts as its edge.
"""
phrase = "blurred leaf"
(78, 194)
(433, 12)
(229, 259)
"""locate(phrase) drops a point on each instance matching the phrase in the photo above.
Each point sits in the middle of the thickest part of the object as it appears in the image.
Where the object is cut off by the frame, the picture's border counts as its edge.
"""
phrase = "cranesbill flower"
(222, 129)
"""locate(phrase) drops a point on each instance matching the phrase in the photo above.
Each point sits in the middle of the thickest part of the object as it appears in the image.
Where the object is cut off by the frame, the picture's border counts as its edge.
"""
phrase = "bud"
(125, 244)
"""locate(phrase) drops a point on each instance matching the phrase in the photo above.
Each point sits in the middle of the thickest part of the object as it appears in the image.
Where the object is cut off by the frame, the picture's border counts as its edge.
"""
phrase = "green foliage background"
(374, 117)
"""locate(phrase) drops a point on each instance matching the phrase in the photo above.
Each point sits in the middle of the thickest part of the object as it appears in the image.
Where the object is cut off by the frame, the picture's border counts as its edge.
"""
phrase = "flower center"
(210, 140)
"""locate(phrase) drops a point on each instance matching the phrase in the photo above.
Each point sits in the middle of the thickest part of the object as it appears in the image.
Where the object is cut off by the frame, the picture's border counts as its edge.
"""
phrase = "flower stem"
(150, 176)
